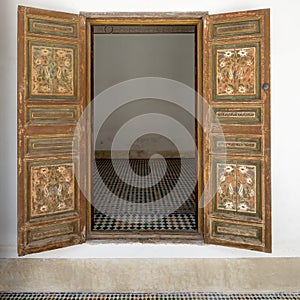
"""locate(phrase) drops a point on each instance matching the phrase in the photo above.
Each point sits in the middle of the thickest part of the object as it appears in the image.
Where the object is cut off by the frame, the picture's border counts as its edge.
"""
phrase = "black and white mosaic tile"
(129, 195)
(149, 296)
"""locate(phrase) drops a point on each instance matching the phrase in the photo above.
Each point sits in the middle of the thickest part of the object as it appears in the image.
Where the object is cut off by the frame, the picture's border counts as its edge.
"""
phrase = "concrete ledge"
(150, 275)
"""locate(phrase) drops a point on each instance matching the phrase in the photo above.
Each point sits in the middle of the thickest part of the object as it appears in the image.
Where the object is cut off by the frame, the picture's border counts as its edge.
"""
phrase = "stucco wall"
(123, 57)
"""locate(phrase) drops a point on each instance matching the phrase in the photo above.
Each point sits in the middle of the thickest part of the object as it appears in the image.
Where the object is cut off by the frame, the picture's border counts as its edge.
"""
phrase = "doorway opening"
(145, 179)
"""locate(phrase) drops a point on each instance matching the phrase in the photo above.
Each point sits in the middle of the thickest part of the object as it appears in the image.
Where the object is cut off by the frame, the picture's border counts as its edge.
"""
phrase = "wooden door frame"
(191, 18)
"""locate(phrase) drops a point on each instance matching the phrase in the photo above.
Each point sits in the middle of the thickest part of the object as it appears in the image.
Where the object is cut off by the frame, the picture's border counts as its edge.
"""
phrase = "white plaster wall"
(285, 136)
(122, 57)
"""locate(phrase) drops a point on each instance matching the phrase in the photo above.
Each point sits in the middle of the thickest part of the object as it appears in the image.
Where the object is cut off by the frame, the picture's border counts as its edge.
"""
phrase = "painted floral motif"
(236, 71)
(226, 183)
(52, 71)
(246, 188)
(52, 189)
(236, 188)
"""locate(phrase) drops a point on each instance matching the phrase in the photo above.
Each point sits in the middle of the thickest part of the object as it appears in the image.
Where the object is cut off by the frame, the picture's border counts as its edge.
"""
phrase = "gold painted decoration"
(38, 234)
(236, 188)
(49, 144)
(246, 188)
(52, 189)
(243, 233)
(52, 115)
(226, 183)
(236, 144)
(250, 115)
(52, 27)
(236, 71)
(229, 29)
(52, 71)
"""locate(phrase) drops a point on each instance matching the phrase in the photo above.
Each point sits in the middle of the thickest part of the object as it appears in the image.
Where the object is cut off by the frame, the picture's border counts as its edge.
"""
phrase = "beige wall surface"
(150, 275)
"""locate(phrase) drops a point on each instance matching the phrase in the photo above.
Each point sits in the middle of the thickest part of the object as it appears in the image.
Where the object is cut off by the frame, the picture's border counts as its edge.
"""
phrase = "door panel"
(237, 130)
(51, 98)
(237, 184)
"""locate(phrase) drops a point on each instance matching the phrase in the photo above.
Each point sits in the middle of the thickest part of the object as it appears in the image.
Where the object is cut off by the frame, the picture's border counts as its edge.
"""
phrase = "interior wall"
(285, 24)
(121, 57)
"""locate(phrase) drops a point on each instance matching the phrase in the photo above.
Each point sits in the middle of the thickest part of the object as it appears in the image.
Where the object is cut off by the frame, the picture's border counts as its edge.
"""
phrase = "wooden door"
(53, 160)
(237, 153)
(51, 98)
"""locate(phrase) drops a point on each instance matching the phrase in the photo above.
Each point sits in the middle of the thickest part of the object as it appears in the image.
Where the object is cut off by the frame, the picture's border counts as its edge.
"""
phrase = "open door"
(237, 87)
(53, 160)
(51, 98)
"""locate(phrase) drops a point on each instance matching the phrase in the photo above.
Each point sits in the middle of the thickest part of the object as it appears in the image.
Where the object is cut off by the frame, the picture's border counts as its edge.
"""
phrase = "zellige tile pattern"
(129, 215)
(148, 296)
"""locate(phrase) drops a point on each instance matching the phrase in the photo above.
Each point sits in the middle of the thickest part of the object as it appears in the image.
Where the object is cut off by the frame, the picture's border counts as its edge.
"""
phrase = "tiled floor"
(148, 296)
(173, 222)
(147, 201)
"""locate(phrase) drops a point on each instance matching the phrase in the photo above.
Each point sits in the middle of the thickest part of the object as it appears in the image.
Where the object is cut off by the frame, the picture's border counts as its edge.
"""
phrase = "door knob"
(265, 86)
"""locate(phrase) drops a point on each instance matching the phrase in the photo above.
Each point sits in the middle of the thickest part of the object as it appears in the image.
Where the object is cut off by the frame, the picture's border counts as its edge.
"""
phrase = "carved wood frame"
(173, 19)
